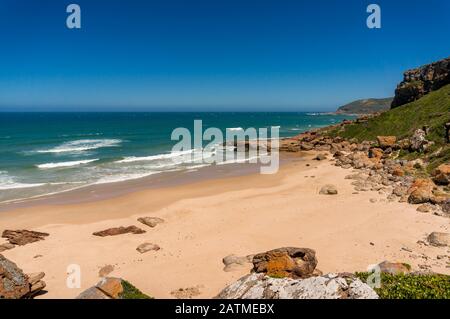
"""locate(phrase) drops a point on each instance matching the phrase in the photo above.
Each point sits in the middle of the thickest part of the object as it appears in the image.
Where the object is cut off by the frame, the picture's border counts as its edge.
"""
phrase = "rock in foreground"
(331, 286)
(286, 262)
(112, 288)
(14, 284)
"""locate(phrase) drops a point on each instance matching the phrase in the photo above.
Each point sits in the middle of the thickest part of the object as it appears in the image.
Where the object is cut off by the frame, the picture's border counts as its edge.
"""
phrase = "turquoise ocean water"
(45, 153)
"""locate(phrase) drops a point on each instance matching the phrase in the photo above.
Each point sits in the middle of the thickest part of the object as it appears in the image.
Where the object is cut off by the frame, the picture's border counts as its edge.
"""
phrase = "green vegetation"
(433, 110)
(410, 286)
(366, 106)
(131, 292)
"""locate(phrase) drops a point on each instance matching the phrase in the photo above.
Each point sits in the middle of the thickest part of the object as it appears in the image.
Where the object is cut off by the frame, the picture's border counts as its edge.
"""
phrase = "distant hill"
(367, 106)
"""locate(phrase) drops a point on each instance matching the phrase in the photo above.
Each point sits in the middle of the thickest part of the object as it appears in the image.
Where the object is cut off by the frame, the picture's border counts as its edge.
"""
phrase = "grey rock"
(331, 286)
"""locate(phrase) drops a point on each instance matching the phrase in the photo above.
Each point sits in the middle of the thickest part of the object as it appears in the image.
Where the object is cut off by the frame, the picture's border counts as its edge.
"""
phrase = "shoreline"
(238, 215)
(98, 192)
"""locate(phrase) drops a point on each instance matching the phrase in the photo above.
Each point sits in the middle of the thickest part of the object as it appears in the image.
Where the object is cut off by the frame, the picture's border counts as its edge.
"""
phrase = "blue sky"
(212, 55)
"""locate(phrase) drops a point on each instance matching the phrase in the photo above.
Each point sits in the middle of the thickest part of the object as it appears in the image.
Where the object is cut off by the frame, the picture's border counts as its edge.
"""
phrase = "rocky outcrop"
(23, 237)
(119, 231)
(286, 262)
(421, 81)
(331, 286)
(14, 284)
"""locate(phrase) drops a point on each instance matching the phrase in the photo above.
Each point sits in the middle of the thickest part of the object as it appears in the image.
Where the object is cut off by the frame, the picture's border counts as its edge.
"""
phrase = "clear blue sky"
(212, 55)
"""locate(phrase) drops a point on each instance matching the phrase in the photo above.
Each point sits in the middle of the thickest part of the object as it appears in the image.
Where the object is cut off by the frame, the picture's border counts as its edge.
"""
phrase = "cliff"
(421, 81)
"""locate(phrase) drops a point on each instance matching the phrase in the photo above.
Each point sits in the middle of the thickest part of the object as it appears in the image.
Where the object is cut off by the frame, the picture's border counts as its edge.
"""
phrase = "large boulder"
(331, 286)
(14, 284)
(421, 191)
(286, 262)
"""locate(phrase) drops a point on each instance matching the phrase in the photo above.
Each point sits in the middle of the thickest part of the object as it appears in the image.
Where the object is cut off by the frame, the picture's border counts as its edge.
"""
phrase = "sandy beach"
(207, 220)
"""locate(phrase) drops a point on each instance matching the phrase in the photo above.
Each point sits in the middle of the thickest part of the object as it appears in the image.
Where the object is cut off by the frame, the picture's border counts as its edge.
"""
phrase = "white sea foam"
(82, 145)
(132, 159)
(65, 164)
(123, 177)
(8, 182)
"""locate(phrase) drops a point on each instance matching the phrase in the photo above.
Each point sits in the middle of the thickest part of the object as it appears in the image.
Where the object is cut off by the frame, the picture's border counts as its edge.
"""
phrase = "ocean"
(48, 153)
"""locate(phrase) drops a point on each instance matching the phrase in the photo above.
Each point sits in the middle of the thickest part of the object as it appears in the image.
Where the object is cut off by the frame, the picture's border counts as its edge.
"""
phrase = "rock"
(151, 221)
(328, 190)
(331, 286)
(145, 247)
(386, 141)
(233, 262)
(400, 191)
(23, 237)
(425, 208)
(35, 277)
(320, 157)
(439, 239)
(421, 81)
(418, 141)
(421, 191)
(375, 153)
(112, 288)
(105, 270)
(286, 262)
(14, 284)
(92, 293)
(373, 200)
(37, 287)
(394, 268)
(119, 231)
(306, 147)
(6, 246)
(441, 175)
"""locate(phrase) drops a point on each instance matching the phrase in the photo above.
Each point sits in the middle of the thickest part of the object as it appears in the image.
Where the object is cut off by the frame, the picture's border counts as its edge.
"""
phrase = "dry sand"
(207, 220)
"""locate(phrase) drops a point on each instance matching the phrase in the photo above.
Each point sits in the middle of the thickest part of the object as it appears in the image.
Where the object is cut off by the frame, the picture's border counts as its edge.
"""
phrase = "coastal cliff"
(421, 81)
